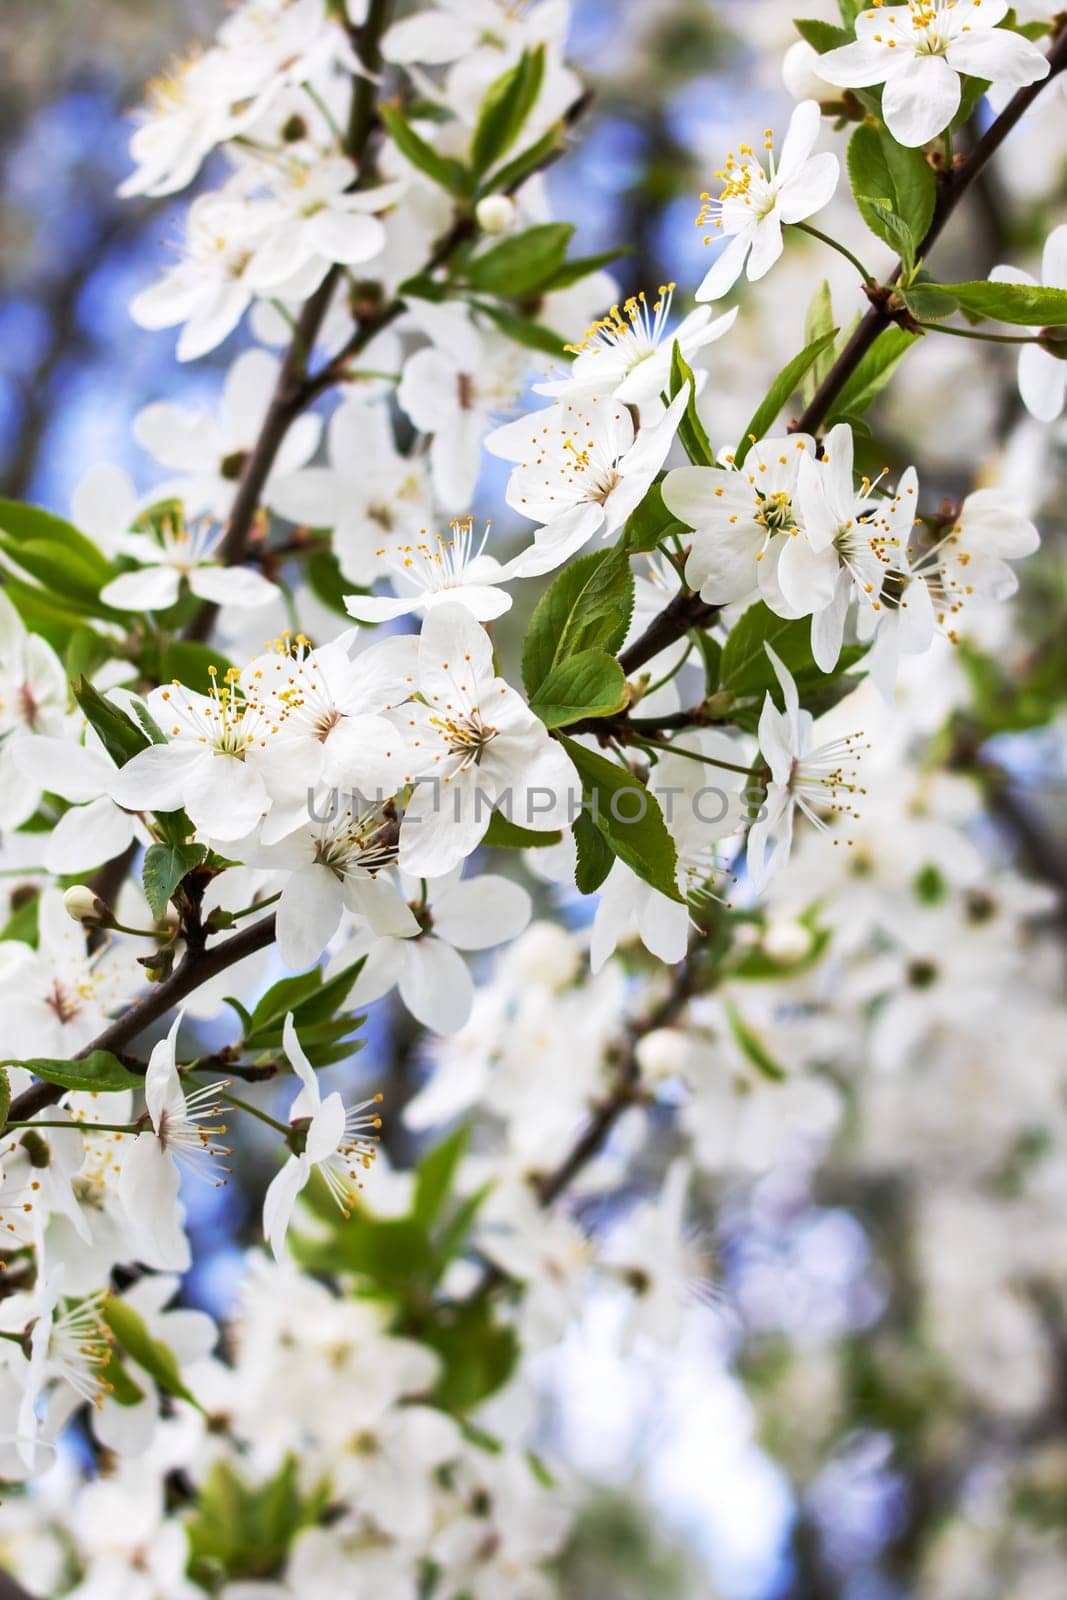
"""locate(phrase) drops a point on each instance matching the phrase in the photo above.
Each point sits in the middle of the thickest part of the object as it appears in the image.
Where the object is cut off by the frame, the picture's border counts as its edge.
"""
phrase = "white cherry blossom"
(178, 552)
(1042, 375)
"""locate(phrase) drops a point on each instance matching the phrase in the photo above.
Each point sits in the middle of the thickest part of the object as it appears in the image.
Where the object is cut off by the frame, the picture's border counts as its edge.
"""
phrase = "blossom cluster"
(326, 818)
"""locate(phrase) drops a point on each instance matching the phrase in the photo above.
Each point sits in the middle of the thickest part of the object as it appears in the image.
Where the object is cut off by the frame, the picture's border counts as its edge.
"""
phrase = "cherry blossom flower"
(185, 1132)
(1042, 375)
(178, 553)
(33, 700)
(920, 49)
(804, 776)
(434, 570)
(754, 203)
(742, 519)
(337, 1141)
(191, 107)
(209, 452)
(449, 915)
(582, 469)
(475, 745)
(627, 354)
(95, 829)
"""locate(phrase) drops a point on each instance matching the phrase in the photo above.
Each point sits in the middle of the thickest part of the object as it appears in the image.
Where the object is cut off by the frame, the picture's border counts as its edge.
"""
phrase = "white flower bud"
(546, 955)
(83, 905)
(663, 1053)
(495, 213)
(800, 74)
(787, 941)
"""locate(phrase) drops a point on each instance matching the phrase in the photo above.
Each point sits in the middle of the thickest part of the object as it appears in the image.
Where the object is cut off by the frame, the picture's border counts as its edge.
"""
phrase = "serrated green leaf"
(928, 301)
(588, 605)
(784, 385)
(589, 684)
(443, 170)
(165, 865)
(99, 1072)
(522, 263)
(595, 857)
(119, 734)
(1021, 304)
(894, 187)
(629, 818)
(504, 109)
(822, 35)
(873, 372)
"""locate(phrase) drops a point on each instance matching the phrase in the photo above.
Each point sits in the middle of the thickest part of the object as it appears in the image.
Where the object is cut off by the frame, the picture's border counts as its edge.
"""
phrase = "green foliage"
(479, 1355)
(651, 523)
(323, 1026)
(244, 1531)
(5, 1096)
(510, 177)
(823, 36)
(119, 734)
(502, 834)
(927, 299)
(587, 607)
(327, 582)
(505, 107)
(1022, 304)
(873, 373)
(628, 817)
(757, 966)
(818, 324)
(595, 856)
(98, 1073)
(69, 566)
(753, 1047)
(589, 684)
(895, 189)
(691, 430)
(442, 170)
(523, 263)
(149, 1353)
(197, 666)
(165, 865)
(521, 330)
(784, 385)
(746, 671)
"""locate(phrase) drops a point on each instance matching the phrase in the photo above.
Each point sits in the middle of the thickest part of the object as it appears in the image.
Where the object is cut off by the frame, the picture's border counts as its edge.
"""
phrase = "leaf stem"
(986, 338)
(254, 1111)
(842, 250)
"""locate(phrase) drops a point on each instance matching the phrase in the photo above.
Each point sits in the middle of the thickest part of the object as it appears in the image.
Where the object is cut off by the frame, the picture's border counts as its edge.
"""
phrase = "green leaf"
(285, 996)
(894, 186)
(873, 372)
(505, 107)
(512, 176)
(97, 1073)
(588, 605)
(478, 1355)
(589, 684)
(580, 267)
(520, 330)
(119, 734)
(191, 664)
(823, 35)
(165, 865)
(522, 263)
(753, 1046)
(149, 1353)
(22, 923)
(818, 323)
(746, 667)
(443, 170)
(117, 1383)
(691, 430)
(629, 818)
(1023, 304)
(327, 583)
(595, 856)
(244, 1531)
(784, 385)
(5, 1096)
(651, 523)
(53, 619)
(25, 524)
(928, 300)
(503, 834)
(435, 1174)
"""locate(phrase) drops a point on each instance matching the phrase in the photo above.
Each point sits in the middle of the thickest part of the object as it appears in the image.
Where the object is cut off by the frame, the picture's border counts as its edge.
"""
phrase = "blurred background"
(764, 1481)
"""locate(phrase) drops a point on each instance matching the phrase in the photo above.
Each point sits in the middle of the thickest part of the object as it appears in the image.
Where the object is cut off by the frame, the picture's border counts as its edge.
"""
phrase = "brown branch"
(195, 968)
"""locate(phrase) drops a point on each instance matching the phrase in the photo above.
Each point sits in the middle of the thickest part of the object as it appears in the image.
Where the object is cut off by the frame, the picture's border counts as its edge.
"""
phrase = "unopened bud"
(663, 1053)
(800, 74)
(495, 213)
(787, 942)
(81, 904)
